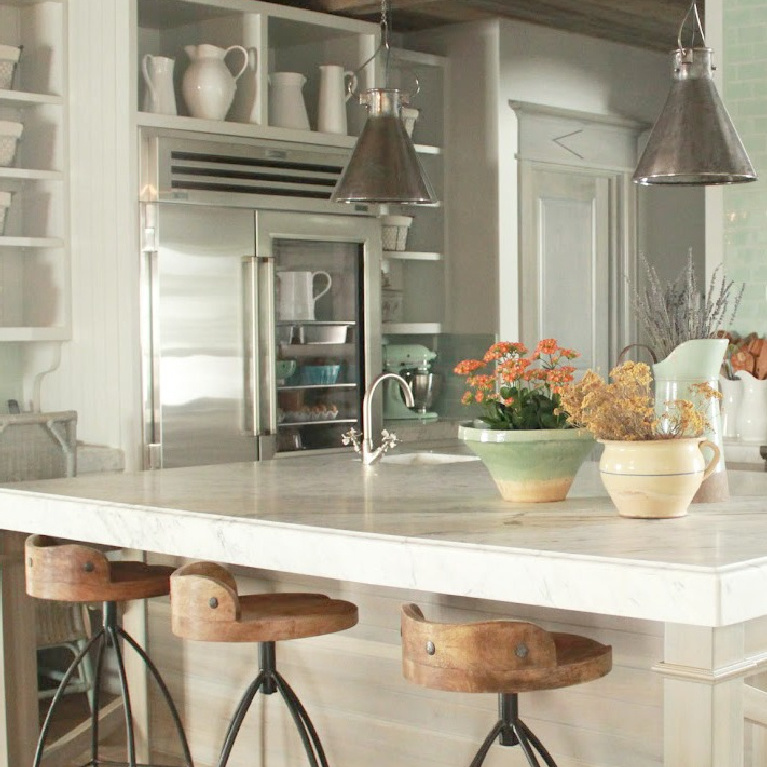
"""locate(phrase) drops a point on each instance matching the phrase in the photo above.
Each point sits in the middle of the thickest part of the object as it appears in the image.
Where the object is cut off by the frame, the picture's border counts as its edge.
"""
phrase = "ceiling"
(651, 24)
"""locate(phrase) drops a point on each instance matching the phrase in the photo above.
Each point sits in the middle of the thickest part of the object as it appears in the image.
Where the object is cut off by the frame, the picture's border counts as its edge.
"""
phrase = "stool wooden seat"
(76, 572)
(503, 657)
(206, 606)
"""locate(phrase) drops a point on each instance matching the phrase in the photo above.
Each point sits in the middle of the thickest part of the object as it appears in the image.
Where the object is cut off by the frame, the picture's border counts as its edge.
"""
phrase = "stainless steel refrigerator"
(260, 325)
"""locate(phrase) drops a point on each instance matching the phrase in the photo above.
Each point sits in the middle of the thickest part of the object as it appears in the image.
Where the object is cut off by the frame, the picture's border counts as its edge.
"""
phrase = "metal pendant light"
(384, 167)
(694, 142)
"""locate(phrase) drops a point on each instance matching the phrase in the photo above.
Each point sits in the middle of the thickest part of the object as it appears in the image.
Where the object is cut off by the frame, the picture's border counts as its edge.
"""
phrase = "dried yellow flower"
(624, 408)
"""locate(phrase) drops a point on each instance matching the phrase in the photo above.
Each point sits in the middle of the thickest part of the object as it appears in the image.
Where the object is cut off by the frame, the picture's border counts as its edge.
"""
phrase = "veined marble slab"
(438, 528)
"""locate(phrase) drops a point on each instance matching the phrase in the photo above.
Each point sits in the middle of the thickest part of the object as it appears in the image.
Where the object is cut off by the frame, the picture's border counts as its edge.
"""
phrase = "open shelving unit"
(34, 249)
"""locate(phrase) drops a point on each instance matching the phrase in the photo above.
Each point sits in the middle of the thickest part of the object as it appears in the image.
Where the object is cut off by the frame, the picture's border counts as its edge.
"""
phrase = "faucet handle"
(388, 440)
(354, 438)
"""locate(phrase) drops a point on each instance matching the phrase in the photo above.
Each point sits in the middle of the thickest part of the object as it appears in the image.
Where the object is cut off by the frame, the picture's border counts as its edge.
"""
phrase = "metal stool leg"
(269, 681)
(60, 694)
(512, 731)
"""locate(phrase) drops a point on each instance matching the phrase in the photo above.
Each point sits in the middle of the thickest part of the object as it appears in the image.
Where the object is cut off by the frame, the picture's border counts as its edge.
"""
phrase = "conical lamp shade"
(384, 167)
(694, 141)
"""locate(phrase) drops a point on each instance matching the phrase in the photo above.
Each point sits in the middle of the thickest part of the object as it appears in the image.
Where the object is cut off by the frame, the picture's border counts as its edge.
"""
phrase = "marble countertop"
(437, 528)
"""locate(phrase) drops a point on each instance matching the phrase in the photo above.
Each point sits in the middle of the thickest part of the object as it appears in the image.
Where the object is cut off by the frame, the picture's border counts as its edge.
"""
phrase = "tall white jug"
(287, 108)
(334, 93)
(159, 95)
(296, 296)
(208, 85)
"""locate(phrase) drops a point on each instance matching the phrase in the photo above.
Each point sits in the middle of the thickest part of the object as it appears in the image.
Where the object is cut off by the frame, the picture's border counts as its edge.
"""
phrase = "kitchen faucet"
(363, 443)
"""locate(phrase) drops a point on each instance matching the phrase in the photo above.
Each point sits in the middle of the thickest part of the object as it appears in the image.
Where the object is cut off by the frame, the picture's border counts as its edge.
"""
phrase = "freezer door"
(203, 408)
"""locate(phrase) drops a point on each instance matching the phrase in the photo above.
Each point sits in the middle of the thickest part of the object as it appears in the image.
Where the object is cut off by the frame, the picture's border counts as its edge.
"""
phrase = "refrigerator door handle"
(151, 363)
(250, 360)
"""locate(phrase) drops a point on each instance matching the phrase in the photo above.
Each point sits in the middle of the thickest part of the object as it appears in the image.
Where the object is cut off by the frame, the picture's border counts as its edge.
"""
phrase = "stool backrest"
(473, 657)
(50, 566)
(204, 592)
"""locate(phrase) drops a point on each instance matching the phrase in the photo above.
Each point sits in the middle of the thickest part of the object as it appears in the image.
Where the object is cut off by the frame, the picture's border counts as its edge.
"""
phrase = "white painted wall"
(502, 60)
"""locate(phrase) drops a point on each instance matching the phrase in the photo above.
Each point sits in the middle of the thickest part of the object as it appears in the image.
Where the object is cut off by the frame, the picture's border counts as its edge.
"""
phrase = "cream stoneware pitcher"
(159, 96)
(208, 85)
(694, 362)
(296, 296)
(287, 108)
(334, 93)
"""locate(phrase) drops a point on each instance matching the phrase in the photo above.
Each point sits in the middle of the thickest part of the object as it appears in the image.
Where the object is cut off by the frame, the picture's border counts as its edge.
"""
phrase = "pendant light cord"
(693, 9)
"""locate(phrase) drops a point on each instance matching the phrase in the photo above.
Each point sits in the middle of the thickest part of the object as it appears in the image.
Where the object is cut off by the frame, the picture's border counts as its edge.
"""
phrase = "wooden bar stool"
(73, 572)
(503, 657)
(205, 606)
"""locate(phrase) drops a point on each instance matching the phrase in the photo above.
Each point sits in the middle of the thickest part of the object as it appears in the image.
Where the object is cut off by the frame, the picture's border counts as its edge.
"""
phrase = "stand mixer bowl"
(425, 386)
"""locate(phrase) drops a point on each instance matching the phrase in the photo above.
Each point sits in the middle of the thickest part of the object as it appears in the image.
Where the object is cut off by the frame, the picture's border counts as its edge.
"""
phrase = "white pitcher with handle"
(208, 85)
(159, 96)
(287, 108)
(296, 296)
(334, 93)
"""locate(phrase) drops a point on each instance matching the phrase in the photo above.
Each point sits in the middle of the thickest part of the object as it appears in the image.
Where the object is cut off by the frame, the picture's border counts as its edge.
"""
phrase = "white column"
(703, 671)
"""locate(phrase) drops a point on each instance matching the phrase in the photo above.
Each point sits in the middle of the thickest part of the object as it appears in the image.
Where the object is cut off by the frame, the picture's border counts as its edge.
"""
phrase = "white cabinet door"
(566, 244)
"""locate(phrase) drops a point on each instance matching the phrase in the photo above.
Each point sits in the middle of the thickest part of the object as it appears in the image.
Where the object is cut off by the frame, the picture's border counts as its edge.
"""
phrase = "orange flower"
(465, 367)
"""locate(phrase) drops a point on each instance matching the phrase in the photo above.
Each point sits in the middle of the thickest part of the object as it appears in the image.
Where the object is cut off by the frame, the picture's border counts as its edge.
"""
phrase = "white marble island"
(442, 529)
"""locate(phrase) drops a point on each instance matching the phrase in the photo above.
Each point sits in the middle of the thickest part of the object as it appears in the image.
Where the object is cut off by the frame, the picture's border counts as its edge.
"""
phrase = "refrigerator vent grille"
(204, 171)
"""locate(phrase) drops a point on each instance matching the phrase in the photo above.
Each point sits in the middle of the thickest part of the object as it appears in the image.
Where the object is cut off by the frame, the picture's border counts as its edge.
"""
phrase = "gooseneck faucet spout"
(370, 453)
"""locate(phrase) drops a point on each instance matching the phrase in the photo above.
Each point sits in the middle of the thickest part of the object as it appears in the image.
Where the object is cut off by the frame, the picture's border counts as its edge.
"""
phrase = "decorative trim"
(753, 664)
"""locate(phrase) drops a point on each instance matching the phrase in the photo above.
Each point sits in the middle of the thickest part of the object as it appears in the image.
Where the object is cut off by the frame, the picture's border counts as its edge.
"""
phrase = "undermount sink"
(427, 458)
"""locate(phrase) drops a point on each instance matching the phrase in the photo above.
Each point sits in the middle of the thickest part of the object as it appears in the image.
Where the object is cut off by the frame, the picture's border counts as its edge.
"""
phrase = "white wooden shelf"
(22, 98)
(242, 130)
(412, 255)
(411, 328)
(31, 174)
(23, 334)
(31, 242)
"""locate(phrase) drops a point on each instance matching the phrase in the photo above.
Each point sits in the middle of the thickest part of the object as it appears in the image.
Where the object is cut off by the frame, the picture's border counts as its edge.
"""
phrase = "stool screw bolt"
(521, 650)
(213, 603)
(430, 649)
(88, 567)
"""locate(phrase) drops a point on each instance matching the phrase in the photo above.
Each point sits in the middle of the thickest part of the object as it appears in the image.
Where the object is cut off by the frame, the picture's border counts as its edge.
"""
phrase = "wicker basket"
(10, 133)
(37, 445)
(394, 231)
(5, 204)
(9, 58)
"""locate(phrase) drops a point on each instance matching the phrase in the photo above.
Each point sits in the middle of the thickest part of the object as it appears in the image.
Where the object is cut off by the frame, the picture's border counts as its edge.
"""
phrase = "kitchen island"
(441, 528)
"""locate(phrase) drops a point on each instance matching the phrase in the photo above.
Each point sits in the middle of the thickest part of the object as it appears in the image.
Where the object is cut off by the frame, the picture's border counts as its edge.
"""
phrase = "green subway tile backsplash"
(744, 75)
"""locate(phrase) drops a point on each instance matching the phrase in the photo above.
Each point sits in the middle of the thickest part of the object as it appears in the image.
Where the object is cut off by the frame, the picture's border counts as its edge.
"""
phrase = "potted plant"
(521, 433)
(652, 464)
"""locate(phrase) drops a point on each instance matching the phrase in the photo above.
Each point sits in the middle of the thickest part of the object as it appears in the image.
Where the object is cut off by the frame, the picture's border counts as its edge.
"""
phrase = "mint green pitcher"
(694, 362)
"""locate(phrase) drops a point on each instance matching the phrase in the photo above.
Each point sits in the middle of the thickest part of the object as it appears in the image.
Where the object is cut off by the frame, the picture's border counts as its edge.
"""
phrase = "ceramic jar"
(530, 465)
(655, 478)
(335, 91)
(159, 96)
(752, 415)
(208, 85)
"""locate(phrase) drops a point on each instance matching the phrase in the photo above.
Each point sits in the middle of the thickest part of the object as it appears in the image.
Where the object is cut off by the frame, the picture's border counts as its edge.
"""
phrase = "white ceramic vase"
(159, 96)
(287, 108)
(208, 85)
(655, 478)
(752, 415)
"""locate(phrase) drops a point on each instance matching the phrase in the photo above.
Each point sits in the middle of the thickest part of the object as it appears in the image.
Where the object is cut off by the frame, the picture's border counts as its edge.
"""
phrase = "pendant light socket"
(694, 142)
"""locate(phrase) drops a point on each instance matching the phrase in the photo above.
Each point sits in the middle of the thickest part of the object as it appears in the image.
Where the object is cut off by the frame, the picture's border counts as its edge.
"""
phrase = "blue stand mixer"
(413, 363)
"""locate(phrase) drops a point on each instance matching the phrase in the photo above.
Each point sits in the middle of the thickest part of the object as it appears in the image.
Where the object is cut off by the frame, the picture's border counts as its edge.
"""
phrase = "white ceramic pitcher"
(159, 96)
(296, 296)
(334, 93)
(208, 85)
(287, 108)
(752, 415)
